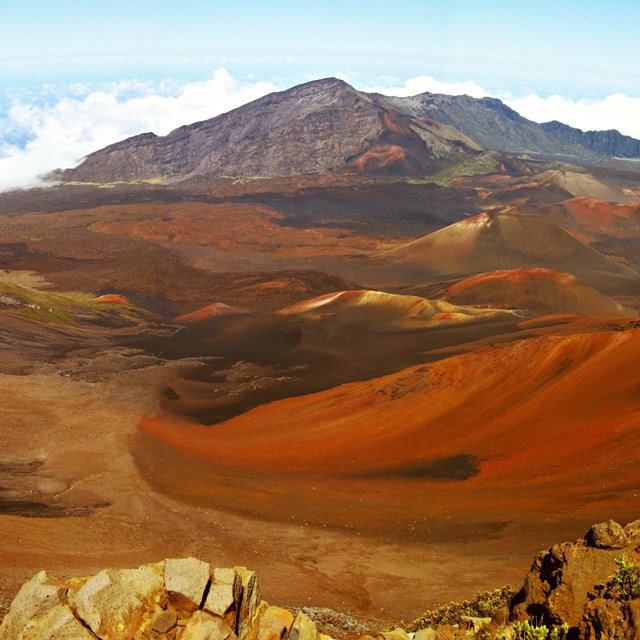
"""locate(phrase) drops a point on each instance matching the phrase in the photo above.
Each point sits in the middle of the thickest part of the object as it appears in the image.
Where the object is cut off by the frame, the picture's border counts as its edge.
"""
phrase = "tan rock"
(501, 616)
(446, 632)
(303, 628)
(397, 634)
(253, 629)
(164, 621)
(203, 626)
(632, 531)
(224, 596)
(606, 535)
(472, 623)
(425, 634)
(275, 623)
(115, 603)
(249, 603)
(57, 623)
(35, 598)
(186, 580)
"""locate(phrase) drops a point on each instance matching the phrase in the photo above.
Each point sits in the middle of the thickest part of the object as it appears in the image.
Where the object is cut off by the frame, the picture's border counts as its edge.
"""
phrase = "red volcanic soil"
(500, 240)
(618, 220)
(273, 284)
(114, 298)
(541, 291)
(214, 310)
(395, 124)
(229, 226)
(381, 157)
(508, 433)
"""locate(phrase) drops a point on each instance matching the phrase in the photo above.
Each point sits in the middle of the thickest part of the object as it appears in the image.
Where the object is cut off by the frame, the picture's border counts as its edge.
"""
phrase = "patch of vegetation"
(553, 165)
(37, 305)
(626, 580)
(480, 165)
(58, 308)
(531, 631)
(484, 605)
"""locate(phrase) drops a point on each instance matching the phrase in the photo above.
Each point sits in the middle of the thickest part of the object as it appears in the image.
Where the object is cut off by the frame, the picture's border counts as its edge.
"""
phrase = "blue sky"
(571, 60)
(581, 49)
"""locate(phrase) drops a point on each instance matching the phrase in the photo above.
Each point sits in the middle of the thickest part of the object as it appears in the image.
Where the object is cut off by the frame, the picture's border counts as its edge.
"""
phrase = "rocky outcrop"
(181, 598)
(583, 590)
(592, 585)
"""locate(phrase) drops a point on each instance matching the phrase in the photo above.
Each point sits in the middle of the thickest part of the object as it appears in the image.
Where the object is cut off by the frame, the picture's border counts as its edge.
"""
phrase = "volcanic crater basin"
(376, 495)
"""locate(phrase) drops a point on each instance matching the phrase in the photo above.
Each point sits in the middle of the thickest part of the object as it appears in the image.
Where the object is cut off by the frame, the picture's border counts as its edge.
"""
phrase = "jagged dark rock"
(606, 143)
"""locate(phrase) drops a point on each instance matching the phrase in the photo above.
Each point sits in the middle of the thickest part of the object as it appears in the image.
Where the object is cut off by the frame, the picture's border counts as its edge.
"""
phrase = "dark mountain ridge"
(608, 143)
(327, 126)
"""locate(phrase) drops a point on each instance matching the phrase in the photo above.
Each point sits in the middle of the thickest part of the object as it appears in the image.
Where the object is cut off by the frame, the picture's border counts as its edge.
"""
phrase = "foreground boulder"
(179, 598)
(592, 585)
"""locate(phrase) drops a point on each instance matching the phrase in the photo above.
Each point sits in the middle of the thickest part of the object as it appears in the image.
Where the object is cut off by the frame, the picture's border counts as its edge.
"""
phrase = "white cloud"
(616, 111)
(37, 138)
(421, 84)
(59, 126)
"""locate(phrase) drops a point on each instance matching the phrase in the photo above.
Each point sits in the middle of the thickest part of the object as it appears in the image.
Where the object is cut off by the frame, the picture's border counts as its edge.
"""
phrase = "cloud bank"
(39, 133)
(37, 138)
(616, 111)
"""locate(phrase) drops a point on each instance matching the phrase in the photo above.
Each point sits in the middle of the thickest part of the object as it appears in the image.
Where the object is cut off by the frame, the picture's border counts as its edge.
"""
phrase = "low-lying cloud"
(39, 133)
(616, 111)
(37, 138)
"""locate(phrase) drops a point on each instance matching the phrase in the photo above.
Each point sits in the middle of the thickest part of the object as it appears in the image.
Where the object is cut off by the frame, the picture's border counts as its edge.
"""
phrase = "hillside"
(328, 126)
(492, 124)
(540, 291)
(312, 128)
(493, 241)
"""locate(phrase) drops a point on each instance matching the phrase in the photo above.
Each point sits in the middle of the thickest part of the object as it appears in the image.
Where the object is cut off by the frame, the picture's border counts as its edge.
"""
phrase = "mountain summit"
(316, 127)
(327, 125)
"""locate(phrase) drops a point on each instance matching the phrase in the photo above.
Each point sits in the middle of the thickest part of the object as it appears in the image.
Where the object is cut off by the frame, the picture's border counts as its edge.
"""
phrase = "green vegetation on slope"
(58, 308)
(479, 165)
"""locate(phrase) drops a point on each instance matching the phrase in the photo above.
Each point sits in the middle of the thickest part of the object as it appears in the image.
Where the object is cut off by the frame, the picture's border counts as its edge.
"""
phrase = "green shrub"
(484, 605)
(626, 579)
(530, 631)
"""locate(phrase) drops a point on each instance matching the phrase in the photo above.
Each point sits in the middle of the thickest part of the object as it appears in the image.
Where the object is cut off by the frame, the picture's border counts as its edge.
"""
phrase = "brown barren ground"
(79, 434)
(380, 497)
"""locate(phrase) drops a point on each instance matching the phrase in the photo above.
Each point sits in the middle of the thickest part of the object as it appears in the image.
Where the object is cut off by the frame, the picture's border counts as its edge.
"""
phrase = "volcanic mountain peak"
(327, 125)
(320, 126)
(502, 240)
